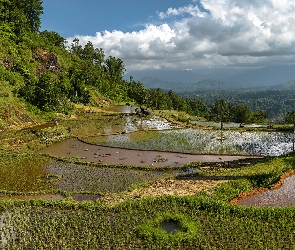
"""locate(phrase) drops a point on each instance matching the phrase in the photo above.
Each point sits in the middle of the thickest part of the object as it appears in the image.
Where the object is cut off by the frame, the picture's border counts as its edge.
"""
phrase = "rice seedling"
(203, 220)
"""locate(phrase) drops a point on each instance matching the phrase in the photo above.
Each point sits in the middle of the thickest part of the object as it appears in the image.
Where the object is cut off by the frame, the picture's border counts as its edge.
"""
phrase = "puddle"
(41, 126)
(170, 226)
(120, 109)
(119, 156)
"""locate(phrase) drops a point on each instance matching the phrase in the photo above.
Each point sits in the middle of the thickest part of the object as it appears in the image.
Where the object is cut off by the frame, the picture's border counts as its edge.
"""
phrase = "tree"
(243, 115)
(22, 15)
(290, 117)
(52, 38)
(198, 108)
(88, 53)
(76, 48)
(115, 69)
(260, 116)
(219, 112)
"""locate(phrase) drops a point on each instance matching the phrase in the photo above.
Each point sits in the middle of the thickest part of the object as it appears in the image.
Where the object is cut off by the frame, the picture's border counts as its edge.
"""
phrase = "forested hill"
(41, 71)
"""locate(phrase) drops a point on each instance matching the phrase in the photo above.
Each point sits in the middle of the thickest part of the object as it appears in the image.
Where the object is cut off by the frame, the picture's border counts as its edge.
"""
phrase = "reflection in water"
(129, 125)
(118, 138)
(170, 226)
(41, 126)
(120, 109)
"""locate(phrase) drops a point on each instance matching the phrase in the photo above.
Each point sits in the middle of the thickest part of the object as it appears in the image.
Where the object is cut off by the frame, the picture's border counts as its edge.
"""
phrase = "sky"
(180, 34)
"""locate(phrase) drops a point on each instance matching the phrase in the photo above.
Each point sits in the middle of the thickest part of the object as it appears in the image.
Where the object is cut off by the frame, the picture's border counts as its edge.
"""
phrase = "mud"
(118, 156)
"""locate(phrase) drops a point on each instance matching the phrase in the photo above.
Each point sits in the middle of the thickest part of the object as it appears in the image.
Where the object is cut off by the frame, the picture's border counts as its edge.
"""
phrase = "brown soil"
(163, 188)
(47, 62)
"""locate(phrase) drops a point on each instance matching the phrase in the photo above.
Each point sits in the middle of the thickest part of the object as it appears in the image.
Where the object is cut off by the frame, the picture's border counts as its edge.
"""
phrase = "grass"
(206, 223)
(206, 219)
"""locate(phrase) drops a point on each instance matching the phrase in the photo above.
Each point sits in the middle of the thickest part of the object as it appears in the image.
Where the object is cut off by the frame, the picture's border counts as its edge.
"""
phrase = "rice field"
(198, 141)
(50, 203)
(205, 224)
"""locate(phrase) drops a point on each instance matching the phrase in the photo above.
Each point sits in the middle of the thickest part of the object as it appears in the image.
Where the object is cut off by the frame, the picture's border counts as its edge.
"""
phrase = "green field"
(109, 215)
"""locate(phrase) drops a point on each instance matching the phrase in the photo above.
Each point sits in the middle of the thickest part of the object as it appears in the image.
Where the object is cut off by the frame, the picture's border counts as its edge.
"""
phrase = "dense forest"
(46, 72)
(278, 104)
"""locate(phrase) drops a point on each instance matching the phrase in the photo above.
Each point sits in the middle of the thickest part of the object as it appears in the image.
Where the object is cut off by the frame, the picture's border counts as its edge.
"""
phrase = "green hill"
(39, 72)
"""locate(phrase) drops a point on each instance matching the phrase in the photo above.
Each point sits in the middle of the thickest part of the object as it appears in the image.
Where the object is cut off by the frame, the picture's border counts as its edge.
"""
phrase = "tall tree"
(22, 15)
(115, 68)
(52, 38)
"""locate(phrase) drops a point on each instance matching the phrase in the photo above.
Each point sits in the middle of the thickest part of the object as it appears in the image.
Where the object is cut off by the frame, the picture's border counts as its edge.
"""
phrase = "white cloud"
(228, 33)
(192, 10)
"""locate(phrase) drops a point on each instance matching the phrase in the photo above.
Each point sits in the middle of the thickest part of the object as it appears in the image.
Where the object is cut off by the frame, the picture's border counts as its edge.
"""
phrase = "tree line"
(277, 103)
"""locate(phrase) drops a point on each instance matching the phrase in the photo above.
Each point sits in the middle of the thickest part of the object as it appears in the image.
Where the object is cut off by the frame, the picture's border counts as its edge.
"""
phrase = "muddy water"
(170, 226)
(120, 109)
(41, 126)
(116, 156)
(33, 197)
(284, 196)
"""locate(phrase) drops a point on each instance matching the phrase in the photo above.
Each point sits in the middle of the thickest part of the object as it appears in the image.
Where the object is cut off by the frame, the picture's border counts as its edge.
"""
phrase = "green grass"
(207, 224)
(207, 220)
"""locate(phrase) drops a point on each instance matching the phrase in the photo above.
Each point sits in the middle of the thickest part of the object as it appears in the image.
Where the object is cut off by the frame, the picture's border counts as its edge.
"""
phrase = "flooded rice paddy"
(120, 156)
(280, 197)
(77, 178)
(150, 143)
(124, 140)
(107, 173)
(198, 141)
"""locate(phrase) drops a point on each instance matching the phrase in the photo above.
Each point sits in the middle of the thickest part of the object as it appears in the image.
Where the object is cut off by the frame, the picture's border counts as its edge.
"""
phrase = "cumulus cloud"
(192, 10)
(208, 33)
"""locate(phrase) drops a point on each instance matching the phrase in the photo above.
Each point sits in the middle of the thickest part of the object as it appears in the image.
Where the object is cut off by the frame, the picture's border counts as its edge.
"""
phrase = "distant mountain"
(188, 76)
(289, 85)
(232, 78)
(181, 87)
(266, 76)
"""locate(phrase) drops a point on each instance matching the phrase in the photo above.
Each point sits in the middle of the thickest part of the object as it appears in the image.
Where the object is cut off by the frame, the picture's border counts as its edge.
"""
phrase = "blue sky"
(76, 17)
(180, 34)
